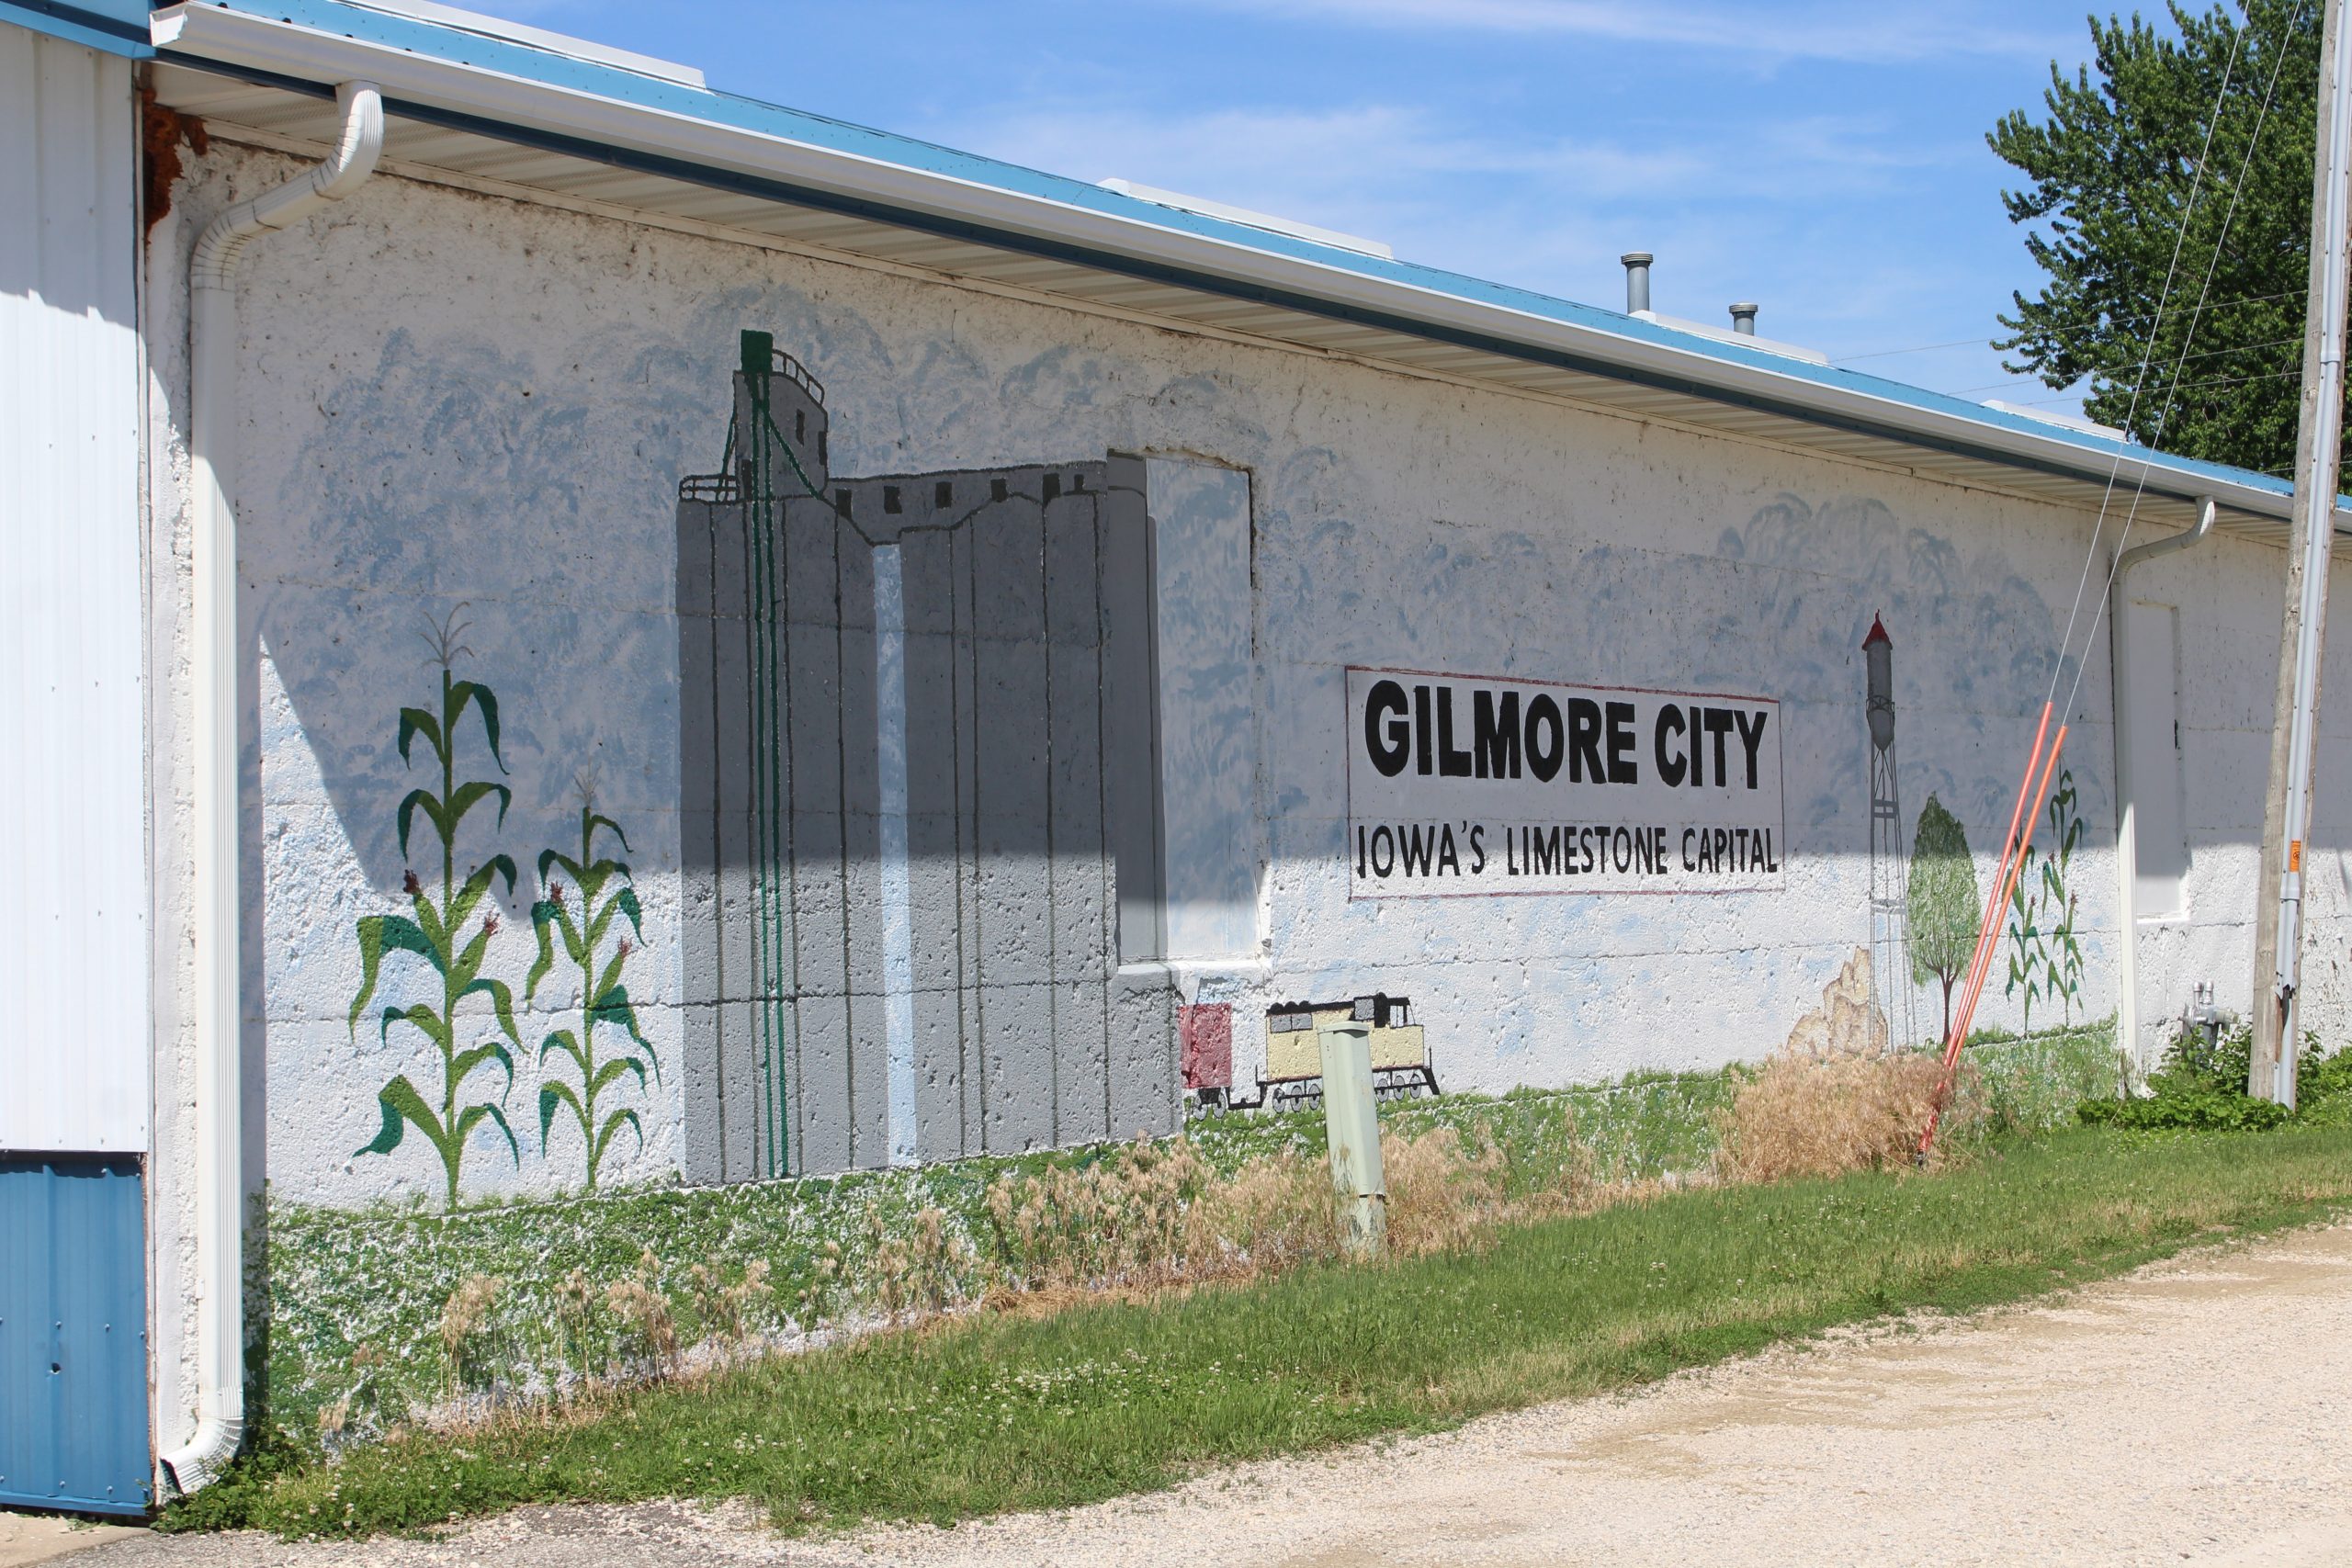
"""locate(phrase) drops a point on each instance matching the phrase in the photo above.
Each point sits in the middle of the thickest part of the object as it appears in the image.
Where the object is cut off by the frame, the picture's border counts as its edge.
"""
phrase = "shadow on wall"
(1993, 638)
(918, 782)
(457, 480)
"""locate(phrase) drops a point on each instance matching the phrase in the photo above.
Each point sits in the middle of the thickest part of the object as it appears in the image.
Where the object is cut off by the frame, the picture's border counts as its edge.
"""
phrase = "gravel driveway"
(2197, 1412)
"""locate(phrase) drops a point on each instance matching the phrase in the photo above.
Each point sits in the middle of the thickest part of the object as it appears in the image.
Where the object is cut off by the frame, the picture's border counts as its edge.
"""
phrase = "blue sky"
(1824, 158)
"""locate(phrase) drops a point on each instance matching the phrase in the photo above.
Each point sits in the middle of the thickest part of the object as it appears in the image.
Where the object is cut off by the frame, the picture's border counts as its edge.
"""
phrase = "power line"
(1919, 348)
(2219, 241)
(2113, 321)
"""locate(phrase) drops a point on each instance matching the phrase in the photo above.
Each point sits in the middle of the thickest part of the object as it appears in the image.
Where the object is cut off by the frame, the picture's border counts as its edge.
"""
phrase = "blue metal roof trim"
(549, 69)
(116, 27)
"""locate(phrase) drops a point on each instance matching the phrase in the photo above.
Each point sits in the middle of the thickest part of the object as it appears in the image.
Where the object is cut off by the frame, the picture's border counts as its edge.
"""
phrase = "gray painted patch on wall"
(909, 707)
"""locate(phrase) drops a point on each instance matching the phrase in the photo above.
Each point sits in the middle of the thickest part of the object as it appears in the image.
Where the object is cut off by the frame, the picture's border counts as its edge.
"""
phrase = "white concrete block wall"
(458, 404)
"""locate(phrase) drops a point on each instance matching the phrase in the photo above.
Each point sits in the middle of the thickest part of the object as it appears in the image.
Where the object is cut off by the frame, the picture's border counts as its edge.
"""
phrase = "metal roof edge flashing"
(602, 118)
(111, 27)
(562, 45)
(1734, 339)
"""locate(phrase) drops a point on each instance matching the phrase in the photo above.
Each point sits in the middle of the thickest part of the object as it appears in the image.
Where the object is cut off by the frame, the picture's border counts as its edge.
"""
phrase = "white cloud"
(1855, 33)
(1794, 211)
(1517, 208)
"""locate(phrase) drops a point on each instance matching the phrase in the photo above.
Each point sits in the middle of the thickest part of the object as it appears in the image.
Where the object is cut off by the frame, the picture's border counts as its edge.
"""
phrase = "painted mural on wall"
(2045, 957)
(579, 912)
(1945, 911)
(452, 923)
(1464, 786)
(920, 789)
(436, 928)
(848, 947)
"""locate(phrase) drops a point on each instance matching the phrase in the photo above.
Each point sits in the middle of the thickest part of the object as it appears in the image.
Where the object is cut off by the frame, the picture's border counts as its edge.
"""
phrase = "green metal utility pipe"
(1359, 1185)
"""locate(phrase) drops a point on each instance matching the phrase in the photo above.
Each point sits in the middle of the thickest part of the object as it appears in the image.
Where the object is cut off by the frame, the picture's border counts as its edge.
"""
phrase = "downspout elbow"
(2206, 509)
(217, 1080)
(200, 1461)
(361, 143)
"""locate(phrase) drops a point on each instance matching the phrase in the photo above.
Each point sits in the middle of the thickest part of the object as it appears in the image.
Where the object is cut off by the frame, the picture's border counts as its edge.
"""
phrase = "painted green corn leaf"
(379, 934)
(474, 692)
(612, 1125)
(446, 815)
(609, 981)
(613, 1069)
(431, 1023)
(501, 1001)
(465, 1062)
(552, 1095)
(409, 803)
(613, 1007)
(415, 722)
(543, 920)
(565, 1040)
(474, 1115)
(470, 896)
(401, 1104)
(470, 795)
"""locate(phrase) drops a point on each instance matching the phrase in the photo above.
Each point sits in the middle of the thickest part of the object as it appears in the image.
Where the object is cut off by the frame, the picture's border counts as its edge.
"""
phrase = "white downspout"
(2127, 832)
(213, 670)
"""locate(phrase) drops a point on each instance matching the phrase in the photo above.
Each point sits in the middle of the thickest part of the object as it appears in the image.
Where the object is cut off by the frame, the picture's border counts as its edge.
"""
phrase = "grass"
(358, 1299)
(992, 1412)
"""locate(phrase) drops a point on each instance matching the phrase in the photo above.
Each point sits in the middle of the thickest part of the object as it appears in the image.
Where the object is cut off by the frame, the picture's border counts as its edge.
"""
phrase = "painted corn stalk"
(2063, 963)
(437, 927)
(580, 900)
(2045, 954)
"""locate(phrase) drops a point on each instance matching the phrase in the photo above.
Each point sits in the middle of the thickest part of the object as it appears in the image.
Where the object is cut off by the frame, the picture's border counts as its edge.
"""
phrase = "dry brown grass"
(643, 1313)
(464, 1316)
(926, 1268)
(730, 1314)
(1805, 1115)
(1155, 1216)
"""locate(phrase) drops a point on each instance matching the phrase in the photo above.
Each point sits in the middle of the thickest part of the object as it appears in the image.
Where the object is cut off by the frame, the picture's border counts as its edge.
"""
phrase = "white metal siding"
(74, 958)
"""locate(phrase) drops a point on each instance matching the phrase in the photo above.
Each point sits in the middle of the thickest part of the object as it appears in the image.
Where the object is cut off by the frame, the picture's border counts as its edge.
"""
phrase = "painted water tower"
(1891, 988)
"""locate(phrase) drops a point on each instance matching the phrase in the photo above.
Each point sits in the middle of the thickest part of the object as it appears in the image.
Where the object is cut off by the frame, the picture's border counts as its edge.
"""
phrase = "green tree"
(1941, 902)
(2113, 180)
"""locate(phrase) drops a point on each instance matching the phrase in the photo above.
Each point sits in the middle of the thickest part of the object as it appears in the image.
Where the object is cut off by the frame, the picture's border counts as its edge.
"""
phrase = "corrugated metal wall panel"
(75, 965)
(73, 1333)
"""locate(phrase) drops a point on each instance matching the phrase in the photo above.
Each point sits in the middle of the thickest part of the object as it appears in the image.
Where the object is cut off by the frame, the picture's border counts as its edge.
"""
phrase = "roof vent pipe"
(1743, 318)
(1637, 281)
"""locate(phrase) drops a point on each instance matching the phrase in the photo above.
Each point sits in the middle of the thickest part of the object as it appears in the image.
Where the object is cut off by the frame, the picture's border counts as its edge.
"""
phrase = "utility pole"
(2286, 814)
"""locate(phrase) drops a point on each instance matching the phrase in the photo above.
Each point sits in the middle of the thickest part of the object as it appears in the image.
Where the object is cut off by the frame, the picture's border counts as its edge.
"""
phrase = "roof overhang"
(597, 141)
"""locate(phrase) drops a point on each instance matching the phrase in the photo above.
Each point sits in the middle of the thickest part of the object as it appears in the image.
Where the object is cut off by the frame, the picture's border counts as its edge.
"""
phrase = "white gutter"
(2126, 831)
(256, 42)
(219, 1078)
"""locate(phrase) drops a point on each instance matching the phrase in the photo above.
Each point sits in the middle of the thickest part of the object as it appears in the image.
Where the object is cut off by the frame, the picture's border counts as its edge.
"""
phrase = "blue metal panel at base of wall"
(74, 1334)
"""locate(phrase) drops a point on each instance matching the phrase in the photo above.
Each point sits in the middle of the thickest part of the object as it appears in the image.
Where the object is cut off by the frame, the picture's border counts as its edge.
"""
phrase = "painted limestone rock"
(1846, 1023)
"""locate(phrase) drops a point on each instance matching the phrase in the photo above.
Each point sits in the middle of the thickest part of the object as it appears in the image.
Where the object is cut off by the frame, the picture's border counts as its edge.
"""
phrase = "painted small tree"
(1941, 902)
(434, 930)
(602, 889)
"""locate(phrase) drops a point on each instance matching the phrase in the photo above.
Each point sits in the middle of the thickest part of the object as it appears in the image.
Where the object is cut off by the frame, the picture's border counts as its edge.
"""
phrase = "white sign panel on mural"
(1467, 785)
